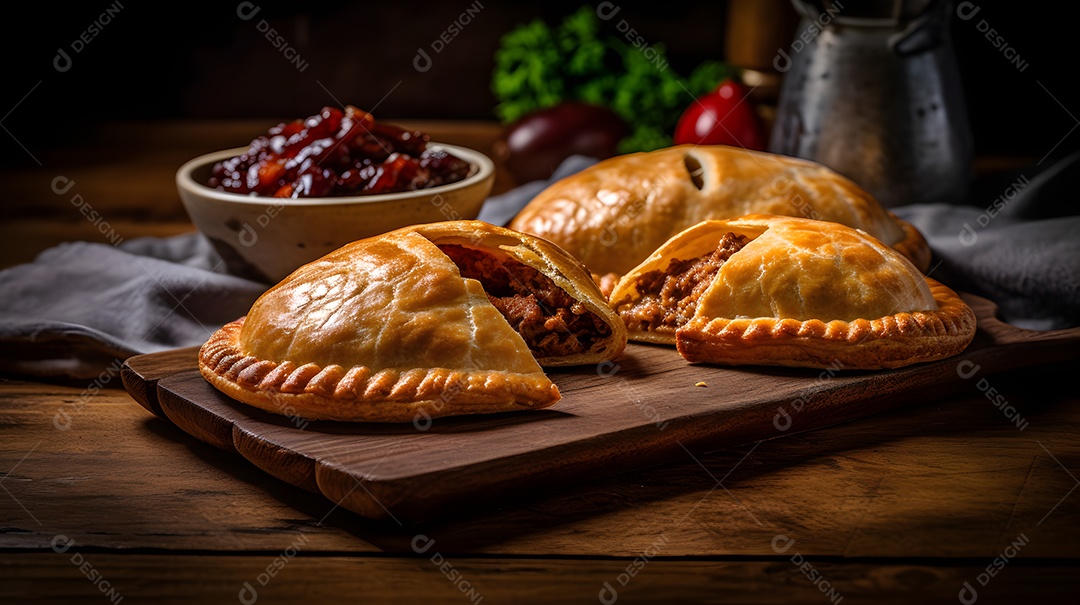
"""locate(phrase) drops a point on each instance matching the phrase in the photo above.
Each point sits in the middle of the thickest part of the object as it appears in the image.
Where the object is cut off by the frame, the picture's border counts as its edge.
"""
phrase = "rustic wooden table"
(941, 501)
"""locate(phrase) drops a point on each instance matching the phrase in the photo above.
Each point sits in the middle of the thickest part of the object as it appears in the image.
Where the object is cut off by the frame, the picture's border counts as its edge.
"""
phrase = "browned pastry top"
(614, 214)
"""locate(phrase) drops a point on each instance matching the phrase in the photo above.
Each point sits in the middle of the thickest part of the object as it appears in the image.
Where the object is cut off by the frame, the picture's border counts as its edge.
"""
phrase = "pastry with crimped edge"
(440, 319)
(775, 290)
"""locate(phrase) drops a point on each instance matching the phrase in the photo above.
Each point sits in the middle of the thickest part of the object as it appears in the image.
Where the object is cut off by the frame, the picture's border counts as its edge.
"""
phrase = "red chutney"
(337, 153)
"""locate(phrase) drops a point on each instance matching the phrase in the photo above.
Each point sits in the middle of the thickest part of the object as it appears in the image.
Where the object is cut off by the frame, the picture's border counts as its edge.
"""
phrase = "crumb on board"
(701, 384)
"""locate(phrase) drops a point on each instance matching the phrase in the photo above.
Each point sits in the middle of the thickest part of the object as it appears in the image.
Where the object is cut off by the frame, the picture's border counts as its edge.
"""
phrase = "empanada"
(437, 319)
(774, 290)
(614, 214)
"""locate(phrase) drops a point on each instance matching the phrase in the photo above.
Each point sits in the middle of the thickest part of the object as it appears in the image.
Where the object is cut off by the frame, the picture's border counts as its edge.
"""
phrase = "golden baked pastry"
(439, 319)
(774, 290)
(614, 214)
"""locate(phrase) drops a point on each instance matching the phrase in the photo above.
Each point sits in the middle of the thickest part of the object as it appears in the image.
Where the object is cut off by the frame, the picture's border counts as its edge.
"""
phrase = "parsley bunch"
(538, 66)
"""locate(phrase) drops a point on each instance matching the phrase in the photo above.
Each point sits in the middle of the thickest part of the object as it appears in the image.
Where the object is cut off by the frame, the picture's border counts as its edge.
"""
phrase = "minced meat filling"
(551, 321)
(669, 298)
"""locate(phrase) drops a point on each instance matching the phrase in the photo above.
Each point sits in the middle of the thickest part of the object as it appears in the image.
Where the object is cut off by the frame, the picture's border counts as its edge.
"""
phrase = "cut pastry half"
(774, 290)
(614, 214)
(437, 320)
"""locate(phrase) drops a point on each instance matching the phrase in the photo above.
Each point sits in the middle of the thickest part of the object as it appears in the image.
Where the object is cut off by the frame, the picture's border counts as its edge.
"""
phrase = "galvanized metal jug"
(873, 91)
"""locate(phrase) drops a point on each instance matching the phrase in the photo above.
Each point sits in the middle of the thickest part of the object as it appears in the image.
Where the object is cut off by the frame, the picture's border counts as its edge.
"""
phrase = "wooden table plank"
(118, 477)
(434, 577)
(949, 479)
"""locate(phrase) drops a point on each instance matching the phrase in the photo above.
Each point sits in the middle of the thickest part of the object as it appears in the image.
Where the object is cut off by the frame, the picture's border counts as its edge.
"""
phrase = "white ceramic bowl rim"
(184, 179)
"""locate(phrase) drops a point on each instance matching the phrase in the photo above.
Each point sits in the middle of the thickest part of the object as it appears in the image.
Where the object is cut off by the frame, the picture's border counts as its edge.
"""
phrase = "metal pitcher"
(873, 91)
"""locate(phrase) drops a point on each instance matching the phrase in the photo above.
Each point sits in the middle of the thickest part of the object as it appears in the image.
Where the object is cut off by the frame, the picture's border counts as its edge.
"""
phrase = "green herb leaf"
(537, 66)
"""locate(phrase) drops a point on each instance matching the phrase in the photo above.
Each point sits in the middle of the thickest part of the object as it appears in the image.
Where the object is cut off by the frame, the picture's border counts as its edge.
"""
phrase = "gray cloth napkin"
(1016, 242)
(81, 307)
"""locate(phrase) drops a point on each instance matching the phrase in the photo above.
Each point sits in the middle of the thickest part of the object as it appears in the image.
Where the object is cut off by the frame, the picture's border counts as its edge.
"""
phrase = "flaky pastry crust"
(805, 293)
(614, 214)
(387, 330)
(361, 394)
(865, 344)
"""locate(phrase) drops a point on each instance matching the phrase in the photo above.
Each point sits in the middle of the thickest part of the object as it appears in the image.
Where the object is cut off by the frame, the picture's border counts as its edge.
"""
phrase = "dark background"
(199, 60)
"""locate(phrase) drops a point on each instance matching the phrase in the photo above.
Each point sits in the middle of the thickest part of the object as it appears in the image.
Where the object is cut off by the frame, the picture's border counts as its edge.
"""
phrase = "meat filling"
(669, 298)
(551, 321)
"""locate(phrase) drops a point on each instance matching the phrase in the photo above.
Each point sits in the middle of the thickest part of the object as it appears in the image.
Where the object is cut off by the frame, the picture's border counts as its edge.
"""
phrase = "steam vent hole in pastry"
(695, 170)
(552, 323)
(669, 298)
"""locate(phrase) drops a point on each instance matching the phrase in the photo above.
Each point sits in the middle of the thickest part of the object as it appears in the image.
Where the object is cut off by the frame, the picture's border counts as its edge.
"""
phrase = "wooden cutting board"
(650, 407)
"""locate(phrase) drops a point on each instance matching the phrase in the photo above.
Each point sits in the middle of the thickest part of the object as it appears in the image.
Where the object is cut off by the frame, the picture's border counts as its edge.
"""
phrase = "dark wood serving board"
(646, 410)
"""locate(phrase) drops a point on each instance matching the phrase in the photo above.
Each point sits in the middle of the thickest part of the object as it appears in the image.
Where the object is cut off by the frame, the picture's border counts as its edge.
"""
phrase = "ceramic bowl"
(265, 238)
